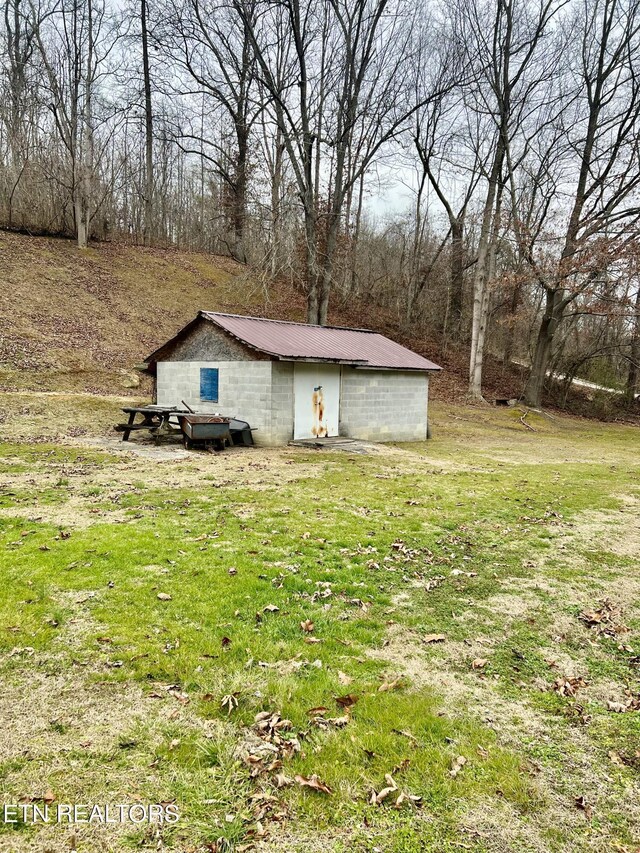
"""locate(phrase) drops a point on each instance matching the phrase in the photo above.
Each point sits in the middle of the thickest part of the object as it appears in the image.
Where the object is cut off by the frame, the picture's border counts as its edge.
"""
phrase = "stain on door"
(316, 389)
(319, 428)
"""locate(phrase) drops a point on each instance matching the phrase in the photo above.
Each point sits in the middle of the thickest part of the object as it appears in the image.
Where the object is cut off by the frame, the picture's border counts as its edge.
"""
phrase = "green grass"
(378, 552)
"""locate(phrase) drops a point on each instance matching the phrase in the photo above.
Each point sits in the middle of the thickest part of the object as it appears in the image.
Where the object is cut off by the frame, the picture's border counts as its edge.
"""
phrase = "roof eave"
(369, 366)
(313, 359)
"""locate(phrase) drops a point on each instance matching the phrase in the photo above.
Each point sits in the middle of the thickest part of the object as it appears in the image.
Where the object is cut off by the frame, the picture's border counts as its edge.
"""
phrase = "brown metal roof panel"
(302, 341)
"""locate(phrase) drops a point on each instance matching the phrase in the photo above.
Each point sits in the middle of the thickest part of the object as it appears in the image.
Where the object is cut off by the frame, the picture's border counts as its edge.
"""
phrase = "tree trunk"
(239, 211)
(276, 212)
(326, 276)
(634, 359)
(81, 206)
(511, 332)
(311, 252)
(550, 321)
(353, 247)
(457, 270)
(148, 126)
(480, 286)
(84, 182)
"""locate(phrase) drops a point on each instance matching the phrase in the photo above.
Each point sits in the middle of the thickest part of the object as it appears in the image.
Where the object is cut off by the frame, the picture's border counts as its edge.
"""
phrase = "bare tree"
(148, 126)
(73, 53)
(209, 42)
(600, 133)
(437, 137)
(633, 374)
(359, 80)
(500, 42)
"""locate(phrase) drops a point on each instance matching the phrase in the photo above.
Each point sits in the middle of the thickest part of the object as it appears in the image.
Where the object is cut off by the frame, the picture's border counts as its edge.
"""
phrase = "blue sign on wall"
(209, 384)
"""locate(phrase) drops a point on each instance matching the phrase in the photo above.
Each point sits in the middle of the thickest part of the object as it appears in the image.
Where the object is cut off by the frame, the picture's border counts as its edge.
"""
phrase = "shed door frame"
(316, 403)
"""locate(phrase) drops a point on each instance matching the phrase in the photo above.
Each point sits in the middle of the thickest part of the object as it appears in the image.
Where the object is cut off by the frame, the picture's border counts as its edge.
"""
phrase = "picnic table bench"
(195, 428)
(156, 419)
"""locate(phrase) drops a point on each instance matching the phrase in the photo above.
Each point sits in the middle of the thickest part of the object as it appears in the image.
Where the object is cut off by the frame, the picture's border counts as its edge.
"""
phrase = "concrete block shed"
(293, 380)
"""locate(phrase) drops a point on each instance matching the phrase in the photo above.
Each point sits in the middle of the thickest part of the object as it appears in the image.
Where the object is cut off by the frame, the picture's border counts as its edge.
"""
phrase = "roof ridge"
(286, 322)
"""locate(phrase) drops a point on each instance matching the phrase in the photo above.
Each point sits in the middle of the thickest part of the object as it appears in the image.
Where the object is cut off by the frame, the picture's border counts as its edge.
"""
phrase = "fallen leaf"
(386, 686)
(582, 804)
(347, 701)
(434, 638)
(164, 596)
(183, 698)
(340, 722)
(382, 795)
(343, 678)
(230, 702)
(568, 686)
(479, 663)
(307, 626)
(414, 740)
(457, 765)
(314, 783)
(312, 640)
(270, 608)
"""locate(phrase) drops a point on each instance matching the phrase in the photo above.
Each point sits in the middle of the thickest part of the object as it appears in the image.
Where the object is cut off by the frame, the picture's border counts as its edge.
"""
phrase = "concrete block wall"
(376, 405)
(244, 391)
(383, 405)
(282, 412)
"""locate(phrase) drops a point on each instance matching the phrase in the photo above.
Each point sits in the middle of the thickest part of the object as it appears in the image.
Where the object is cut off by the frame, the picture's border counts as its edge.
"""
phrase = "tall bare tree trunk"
(85, 184)
(148, 129)
(634, 359)
(239, 202)
(355, 236)
(457, 269)
(542, 354)
(488, 233)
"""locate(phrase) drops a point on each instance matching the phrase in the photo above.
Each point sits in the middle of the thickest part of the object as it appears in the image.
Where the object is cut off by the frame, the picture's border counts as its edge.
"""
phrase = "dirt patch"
(87, 740)
(75, 514)
(86, 489)
(462, 693)
(583, 772)
(614, 531)
(166, 452)
(499, 827)
(53, 715)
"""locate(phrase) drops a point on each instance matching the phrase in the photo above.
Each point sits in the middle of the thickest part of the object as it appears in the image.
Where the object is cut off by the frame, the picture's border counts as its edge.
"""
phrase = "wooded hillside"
(469, 167)
(83, 320)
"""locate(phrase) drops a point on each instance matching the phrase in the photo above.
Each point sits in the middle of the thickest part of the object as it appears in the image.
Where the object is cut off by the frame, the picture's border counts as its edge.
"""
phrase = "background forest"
(471, 167)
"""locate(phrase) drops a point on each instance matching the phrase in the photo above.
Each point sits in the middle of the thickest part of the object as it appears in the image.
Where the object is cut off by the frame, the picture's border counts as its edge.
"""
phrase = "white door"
(316, 390)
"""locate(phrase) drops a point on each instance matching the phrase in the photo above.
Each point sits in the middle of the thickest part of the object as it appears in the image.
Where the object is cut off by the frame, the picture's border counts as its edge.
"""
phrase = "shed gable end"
(208, 342)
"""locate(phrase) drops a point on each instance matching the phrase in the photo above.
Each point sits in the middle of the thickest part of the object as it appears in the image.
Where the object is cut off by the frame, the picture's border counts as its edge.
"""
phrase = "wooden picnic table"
(156, 419)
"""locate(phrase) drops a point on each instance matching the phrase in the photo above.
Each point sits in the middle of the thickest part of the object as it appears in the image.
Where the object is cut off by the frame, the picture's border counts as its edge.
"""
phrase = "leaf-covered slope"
(80, 320)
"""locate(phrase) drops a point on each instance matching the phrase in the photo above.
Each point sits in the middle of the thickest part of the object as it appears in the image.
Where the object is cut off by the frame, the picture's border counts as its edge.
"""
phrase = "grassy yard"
(435, 647)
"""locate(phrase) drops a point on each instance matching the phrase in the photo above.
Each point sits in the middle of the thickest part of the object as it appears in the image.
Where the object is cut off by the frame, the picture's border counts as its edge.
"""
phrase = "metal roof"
(300, 341)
